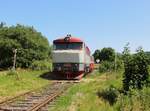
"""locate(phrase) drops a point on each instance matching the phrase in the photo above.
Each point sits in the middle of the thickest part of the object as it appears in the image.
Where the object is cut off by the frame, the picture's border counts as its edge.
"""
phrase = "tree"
(136, 70)
(96, 54)
(148, 55)
(30, 44)
(2, 24)
(107, 54)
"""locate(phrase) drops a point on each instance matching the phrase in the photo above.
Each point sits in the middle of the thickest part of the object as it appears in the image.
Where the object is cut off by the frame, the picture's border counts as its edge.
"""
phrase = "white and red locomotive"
(71, 58)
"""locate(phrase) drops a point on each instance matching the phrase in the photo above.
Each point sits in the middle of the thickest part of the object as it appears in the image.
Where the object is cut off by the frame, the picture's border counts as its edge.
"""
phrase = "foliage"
(136, 70)
(119, 64)
(2, 24)
(83, 96)
(109, 94)
(105, 54)
(136, 100)
(96, 55)
(31, 45)
(107, 66)
(41, 65)
(148, 55)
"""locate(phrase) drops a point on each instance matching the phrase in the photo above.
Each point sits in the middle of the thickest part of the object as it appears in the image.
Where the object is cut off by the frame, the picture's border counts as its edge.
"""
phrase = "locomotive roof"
(71, 39)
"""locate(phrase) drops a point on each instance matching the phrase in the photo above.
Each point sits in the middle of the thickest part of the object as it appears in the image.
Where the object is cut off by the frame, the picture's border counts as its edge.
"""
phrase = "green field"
(24, 81)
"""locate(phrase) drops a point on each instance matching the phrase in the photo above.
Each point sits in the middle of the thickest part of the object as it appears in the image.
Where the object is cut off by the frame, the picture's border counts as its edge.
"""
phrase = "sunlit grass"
(83, 96)
(22, 81)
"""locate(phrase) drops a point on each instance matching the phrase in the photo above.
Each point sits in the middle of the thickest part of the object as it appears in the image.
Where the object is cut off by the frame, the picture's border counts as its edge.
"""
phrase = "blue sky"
(100, 23)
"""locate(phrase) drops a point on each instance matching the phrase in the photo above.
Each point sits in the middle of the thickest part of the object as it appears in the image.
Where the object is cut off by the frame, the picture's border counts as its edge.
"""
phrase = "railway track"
(37, 100)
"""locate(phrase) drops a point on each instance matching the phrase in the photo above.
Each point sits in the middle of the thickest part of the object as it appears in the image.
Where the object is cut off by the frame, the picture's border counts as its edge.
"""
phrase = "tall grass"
(136, 100)
(103, 92)
(28, 80)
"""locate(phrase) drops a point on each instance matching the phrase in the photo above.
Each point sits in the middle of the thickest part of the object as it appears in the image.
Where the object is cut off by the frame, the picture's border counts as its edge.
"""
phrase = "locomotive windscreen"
(67, 46)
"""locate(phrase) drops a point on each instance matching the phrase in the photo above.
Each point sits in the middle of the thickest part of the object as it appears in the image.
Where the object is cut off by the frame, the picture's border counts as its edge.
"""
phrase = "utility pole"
(14, 61)
(115, 62)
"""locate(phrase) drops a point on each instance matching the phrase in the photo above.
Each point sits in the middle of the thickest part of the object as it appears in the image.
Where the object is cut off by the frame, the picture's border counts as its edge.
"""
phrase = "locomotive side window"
(66, 46)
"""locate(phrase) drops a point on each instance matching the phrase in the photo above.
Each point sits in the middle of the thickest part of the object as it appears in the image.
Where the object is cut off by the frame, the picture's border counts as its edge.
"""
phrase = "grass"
(12, 84)
(137, 100)
(84, 96)
(80, 97)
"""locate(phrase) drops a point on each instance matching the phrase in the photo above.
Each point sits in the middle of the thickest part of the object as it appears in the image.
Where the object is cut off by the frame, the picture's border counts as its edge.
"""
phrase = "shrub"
(119, 64)
(106, 66)
(109, 94)
(41, 65)
(136, 70)
(107, 54)
(136, 100)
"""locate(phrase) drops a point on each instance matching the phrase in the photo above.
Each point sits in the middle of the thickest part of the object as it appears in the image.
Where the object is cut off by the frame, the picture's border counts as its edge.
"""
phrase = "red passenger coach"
(71, 58)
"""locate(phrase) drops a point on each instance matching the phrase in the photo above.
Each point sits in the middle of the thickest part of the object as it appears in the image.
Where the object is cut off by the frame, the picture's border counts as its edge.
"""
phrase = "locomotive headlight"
(75, 67)
(57, 64)
(59, 68)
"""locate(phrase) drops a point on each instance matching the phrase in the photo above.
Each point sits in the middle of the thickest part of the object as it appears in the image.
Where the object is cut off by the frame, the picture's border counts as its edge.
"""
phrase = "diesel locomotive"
(71, 58)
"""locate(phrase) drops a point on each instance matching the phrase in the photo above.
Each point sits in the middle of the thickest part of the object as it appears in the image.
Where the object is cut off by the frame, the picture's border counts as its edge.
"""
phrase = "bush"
(136, 71)
(106, 66)
(110, 94)
(107, 54)
(119, 64)
(136, 100)
(41, 65)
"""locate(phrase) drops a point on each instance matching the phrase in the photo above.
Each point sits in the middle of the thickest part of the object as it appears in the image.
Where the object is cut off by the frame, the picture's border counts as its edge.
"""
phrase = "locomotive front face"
(68, 57)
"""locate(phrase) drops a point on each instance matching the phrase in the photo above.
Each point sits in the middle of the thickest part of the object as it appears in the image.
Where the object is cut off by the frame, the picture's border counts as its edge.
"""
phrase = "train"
(71, 58)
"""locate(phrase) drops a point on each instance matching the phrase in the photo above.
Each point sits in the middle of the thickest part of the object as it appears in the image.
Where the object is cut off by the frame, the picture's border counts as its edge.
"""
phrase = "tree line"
(135, 66)
(107, 53)
(31, 46)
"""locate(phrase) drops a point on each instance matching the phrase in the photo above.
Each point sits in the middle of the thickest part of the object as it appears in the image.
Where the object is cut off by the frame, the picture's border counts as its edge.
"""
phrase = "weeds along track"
(37, 100)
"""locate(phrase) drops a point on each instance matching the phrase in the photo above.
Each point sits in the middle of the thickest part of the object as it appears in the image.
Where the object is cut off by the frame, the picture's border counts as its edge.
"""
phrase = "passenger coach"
(71, 58)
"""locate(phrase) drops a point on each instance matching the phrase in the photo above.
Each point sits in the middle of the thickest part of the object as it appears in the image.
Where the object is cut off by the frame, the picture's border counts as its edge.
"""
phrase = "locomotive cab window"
(67, 46)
